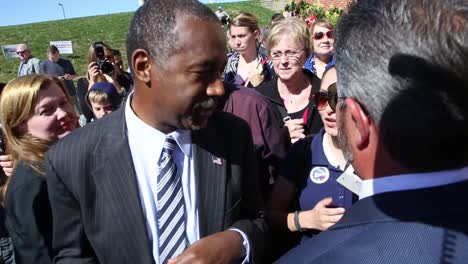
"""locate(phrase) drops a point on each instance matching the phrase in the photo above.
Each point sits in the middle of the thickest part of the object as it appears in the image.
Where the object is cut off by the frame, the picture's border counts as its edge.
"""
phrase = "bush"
(304, 10)
(315, 9)
(333, 15)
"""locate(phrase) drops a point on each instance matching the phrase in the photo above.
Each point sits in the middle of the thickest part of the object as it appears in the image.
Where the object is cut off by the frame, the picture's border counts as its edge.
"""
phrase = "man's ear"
(256, 34)
(141, 65)
(361, 122)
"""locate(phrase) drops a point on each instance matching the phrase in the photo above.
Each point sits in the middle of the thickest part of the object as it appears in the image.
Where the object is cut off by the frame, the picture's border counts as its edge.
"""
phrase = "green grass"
(84, 31)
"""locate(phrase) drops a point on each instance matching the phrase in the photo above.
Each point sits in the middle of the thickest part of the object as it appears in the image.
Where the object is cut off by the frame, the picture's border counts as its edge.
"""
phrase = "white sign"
(64, 46)
(9, 51)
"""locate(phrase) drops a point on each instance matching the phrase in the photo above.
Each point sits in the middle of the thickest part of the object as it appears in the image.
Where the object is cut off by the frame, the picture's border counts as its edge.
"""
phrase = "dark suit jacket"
(417, 226)
(95, 201)
(29, 219)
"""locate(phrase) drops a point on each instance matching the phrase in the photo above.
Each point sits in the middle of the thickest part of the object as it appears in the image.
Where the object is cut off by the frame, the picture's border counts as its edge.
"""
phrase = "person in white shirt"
(402, 120)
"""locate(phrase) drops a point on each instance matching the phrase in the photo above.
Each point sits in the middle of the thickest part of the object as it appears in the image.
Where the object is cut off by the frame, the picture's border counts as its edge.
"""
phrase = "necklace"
(293, 99)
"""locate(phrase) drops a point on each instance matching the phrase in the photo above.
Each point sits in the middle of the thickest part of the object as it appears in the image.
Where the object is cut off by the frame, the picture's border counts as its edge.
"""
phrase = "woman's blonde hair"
(17, 105)
(295, 28)
(245, 19)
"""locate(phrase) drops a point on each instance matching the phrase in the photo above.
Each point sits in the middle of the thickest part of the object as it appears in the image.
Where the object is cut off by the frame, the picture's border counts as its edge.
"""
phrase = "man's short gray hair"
(405, 62)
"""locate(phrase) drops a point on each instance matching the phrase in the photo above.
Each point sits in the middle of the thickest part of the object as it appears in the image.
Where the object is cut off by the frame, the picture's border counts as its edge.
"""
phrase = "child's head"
(103, 99)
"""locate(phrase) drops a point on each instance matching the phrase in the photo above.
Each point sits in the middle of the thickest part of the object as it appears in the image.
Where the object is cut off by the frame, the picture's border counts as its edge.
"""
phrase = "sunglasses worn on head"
(330, 97)
(319, 35)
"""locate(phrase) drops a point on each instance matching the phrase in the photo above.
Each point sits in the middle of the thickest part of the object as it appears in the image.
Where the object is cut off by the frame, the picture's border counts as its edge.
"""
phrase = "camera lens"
(106, 67)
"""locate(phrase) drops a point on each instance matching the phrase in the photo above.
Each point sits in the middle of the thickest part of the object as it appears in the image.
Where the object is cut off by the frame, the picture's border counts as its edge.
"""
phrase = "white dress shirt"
(146, 145)
(412, 181)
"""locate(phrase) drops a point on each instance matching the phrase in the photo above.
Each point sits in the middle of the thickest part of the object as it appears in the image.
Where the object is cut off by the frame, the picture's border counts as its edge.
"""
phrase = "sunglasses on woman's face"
(330, 97)
(319, 35)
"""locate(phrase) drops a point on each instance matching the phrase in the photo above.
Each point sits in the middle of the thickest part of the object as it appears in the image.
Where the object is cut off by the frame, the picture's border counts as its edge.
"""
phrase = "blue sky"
(16, 12)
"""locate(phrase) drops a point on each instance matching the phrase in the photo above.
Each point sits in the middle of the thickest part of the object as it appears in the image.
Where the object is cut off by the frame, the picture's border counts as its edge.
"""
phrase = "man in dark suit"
(402, 114)
(164, 179)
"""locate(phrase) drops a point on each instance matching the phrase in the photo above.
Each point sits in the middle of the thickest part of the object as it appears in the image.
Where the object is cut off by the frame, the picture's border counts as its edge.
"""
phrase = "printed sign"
(9, 51)
(64, 46)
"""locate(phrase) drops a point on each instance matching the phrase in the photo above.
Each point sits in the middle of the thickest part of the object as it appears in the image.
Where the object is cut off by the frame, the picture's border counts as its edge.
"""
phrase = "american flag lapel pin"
(217, 160)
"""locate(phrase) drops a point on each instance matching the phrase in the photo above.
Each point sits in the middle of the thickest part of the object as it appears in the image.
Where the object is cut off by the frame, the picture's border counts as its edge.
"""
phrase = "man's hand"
(69, 77)
(222, 247)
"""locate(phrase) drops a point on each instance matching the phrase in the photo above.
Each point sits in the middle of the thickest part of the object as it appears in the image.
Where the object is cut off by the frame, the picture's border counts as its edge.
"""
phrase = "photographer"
(101, 68)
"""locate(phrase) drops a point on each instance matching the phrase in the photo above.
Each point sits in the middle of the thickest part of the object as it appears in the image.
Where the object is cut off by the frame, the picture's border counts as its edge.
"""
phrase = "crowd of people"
(302, 144)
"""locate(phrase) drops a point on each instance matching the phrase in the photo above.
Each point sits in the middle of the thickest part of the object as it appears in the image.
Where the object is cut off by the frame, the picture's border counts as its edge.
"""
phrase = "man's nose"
(216, 88)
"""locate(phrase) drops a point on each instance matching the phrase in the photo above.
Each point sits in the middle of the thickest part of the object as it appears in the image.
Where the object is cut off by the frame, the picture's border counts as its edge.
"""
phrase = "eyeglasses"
(330, 97)
(319, 35)
(291, 54)
(21, 51)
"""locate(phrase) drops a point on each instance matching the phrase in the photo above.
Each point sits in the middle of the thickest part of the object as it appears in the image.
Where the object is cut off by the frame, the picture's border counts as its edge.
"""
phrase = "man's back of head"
(413, 82)
(401, 112)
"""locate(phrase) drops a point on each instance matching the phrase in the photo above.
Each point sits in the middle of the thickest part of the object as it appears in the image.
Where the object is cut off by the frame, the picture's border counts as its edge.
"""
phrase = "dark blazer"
(29, 219)
(416, 226)
(98, 215)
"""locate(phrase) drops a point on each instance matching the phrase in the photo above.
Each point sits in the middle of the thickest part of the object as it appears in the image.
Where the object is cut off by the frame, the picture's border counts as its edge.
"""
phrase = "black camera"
(105, 66)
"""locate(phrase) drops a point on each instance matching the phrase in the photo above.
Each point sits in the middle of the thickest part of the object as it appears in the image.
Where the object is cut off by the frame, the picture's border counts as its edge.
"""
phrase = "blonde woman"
(292, 91)
(246, 66)
(36, 111)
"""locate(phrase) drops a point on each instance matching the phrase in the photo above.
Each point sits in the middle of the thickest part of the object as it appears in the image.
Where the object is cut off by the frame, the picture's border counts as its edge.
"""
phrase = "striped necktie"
(170, 205)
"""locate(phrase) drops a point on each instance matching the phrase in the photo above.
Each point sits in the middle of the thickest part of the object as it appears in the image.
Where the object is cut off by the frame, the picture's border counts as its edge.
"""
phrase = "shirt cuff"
(245, 244)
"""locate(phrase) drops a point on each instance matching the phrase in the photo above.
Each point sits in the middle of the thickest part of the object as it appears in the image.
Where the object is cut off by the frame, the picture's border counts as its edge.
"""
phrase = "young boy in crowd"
(103, 99)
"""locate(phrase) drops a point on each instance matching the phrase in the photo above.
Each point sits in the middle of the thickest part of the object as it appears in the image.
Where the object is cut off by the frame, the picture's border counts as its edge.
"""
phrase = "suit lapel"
(115, 175)
(210, 175)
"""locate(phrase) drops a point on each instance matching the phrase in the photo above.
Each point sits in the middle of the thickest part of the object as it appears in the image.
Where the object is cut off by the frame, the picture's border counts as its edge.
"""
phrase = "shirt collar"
(137, 126)
(411, 181)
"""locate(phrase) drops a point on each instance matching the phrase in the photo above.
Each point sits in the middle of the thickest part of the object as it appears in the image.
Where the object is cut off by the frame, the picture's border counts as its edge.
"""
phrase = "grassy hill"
(83, 32)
